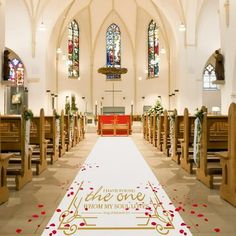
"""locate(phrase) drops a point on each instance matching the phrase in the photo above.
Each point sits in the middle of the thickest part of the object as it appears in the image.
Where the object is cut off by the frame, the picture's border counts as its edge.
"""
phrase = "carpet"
(116, 194)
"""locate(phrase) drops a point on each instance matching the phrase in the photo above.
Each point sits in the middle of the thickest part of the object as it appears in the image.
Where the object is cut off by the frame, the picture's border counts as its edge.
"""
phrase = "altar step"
(136, 127)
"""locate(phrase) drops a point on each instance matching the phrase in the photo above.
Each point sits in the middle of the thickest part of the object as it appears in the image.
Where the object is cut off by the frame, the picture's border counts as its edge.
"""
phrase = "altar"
(114, 125)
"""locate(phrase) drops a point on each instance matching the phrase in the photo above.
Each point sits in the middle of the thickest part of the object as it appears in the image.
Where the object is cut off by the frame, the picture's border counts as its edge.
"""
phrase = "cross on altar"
(113, 91)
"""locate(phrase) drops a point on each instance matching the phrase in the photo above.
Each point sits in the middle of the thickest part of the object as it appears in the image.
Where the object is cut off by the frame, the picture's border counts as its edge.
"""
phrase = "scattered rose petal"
(195, 205)
(154, 223)
(200, 215)
(217, 230)
(40, 206)
(35, 216)
(54, 231)
(52, 225)
(82, 224)
(181, 231)
(58, 210)
(18, 231)
(43, 212)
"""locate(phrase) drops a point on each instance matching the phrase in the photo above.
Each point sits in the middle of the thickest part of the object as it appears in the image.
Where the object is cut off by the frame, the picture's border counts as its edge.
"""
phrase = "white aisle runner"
(116, 194)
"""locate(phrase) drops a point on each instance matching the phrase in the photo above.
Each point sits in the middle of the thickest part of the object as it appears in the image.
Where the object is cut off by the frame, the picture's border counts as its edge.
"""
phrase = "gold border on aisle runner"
(163, 229)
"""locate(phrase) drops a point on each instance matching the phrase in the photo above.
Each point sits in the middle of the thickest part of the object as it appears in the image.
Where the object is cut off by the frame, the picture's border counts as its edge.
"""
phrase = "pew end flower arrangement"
(157, 109)
(197, 135)
(28, 114)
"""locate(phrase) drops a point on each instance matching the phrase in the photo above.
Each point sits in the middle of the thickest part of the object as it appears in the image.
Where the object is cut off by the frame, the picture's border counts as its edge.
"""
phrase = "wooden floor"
(28, 211)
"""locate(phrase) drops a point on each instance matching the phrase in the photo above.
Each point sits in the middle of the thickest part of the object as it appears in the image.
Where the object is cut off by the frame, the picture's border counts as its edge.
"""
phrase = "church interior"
(117, 117)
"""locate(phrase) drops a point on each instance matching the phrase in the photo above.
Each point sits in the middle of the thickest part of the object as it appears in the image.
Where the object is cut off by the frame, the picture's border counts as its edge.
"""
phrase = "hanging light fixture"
(182, 27)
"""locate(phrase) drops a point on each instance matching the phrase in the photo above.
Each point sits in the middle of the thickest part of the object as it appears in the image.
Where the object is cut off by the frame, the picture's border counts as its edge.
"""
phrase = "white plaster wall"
(79, 88)
(149, 88)
(228, 36)
(193, 57)
(2, 45)
(126, 85)
(35, 67)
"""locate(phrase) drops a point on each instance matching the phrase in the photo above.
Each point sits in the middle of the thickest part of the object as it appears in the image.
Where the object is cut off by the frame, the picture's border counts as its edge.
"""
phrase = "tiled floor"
(28, 211)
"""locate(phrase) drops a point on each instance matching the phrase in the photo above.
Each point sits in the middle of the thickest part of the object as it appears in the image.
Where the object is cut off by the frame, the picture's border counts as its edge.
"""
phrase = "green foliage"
(156, 109)
(28, 114)
(74, 108)
(199, 114)
(67, 108)
(57, 116)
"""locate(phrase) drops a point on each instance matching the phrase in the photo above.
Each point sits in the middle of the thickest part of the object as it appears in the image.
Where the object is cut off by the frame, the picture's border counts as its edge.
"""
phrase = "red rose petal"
(40, 206)
(154, 223)
(43, 212)
(200, 215)
(183, 224)
(67, 225)
(206, 219)
(204, 205)
(35, 216)
(18, 231)
(217, 230)
(54, 231)
(58, 210)
(168, 224)
(52, 225)
(82, 224)
(192, 212)
(181, 231)
(195, 205)
(29, 220)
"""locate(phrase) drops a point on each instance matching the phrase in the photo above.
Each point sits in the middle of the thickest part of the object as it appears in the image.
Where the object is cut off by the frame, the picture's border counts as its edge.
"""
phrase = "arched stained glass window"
(73, 50)
(16, 72)
(209, 76)
(113, 48)
(153, 50)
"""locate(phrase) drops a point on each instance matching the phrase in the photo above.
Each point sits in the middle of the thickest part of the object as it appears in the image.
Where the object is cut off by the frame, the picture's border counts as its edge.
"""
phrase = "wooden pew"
(37, 139)
(4, 160)
(51, 134)
(214, 137)
(154, 131)
(166, 134)
(82, 127)
(68, 123)
(160, 132)
(186, 160)
(228, 160)
(150, 128)
(14, 133)
(178, 135)
(145, 126)
(62, 145)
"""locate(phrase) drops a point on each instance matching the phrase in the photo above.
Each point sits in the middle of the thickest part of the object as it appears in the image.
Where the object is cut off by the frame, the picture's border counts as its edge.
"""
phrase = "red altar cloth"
(114, 119)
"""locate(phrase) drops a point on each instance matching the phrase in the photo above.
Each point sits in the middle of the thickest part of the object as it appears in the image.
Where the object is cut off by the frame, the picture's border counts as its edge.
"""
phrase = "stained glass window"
(113, 46)
(153, 50)
(209, 76)
(73, 50)
(16, 72)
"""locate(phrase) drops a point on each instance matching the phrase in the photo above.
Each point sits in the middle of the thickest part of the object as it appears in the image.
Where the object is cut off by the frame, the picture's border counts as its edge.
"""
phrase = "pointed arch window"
(209, 76)
(73, 50)
(153, 50)
(17, 72)
(113, 48)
